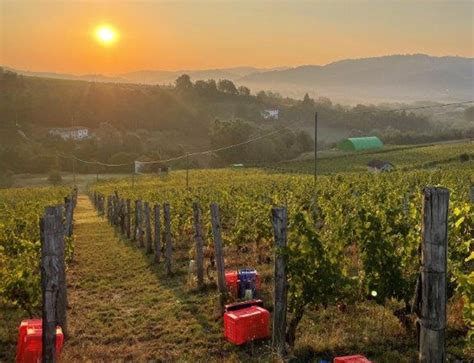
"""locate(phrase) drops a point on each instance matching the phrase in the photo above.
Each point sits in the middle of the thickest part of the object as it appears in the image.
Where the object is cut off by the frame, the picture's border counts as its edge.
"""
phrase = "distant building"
(146, 165)
(271, 114)
(378, 166)
(361, 143)
(75, 133)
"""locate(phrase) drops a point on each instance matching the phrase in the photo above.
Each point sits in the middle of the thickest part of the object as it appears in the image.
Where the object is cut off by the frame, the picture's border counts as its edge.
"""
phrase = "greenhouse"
(361, 143)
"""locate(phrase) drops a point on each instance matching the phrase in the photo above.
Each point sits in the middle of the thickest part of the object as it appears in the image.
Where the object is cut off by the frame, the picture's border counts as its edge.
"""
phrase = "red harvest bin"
(30, 346)
(246, 324)
(232, 282)
(352, 359)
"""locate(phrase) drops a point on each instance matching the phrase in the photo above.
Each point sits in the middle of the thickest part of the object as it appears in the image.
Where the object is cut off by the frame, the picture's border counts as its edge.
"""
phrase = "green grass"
(123, 307)
(414, 157)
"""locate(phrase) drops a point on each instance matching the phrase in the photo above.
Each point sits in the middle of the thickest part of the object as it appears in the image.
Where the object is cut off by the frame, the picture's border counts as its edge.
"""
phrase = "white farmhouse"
(271, 114)
(74, 133)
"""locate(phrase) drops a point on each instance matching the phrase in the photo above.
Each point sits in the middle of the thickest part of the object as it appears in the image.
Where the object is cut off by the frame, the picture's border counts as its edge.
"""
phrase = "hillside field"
(403, 157)
(355, 233)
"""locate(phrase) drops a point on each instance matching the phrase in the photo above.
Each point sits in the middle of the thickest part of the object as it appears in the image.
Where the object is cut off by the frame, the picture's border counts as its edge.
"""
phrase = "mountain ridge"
(398, 77)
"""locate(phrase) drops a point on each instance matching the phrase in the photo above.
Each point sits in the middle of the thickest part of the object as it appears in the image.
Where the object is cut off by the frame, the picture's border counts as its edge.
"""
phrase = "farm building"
(75, 133)
(271, 114)
(379, 166)
(360, 143)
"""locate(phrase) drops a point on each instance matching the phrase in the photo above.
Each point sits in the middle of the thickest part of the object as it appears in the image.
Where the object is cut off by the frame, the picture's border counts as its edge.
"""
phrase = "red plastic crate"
(30, 345)
(352, 359)
(247, 324)
(232, 282)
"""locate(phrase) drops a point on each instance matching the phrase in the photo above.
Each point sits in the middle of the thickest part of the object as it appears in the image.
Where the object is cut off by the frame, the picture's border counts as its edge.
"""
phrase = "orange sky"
(57, 36)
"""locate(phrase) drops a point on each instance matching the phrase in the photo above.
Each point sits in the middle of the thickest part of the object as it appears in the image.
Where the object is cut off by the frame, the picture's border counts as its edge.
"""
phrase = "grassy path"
(122, 307)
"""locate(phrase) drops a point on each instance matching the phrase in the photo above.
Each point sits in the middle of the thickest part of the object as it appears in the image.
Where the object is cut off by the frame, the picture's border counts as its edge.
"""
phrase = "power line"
(425, 107)
(187, 155)
(178, 157)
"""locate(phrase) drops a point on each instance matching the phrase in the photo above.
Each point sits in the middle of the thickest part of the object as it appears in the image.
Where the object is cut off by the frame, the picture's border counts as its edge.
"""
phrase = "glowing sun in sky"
(106, 34)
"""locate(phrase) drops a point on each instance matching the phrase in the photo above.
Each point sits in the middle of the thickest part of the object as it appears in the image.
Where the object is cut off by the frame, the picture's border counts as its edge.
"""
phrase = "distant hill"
(402, 78)
(397, 77)
(164, 77)
(152, 76)
(84, 77)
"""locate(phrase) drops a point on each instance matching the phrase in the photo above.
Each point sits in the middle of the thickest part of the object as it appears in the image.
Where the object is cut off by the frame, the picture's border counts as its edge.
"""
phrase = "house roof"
(74, 128)
(378, 164)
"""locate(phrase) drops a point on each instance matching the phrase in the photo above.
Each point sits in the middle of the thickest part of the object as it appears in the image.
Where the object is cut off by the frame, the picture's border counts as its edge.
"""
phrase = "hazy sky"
(58, 35)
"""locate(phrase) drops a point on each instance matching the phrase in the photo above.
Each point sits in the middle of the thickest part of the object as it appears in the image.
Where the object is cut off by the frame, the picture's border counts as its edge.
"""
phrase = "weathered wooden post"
(113, 210)
(169, 247)
(149, 241)
(53, 280)
(430, 302)
(122, 216)
(279, 217)
(109, 207)
(140, 232)
(199, 243)
(68, 210)
(116, 217)
(137, 220)
(157, 233)
(101, 205)
(128, 214)
(219, 256)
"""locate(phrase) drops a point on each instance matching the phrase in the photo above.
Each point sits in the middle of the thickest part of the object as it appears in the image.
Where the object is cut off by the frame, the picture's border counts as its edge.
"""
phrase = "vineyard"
(353, 262)
(353, 240)
(403, 157)
(20, 291)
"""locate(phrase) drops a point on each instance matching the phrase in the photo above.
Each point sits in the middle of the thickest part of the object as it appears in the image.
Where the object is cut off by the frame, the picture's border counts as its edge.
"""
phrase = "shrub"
(463, 158)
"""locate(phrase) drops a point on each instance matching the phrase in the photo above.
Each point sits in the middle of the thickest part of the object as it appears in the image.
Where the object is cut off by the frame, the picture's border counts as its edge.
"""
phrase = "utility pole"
(187, 170)
(74, 169)
(315, 146)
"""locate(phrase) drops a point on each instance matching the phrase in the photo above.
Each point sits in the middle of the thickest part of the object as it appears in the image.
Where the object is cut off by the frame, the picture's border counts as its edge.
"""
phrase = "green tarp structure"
(361, 143)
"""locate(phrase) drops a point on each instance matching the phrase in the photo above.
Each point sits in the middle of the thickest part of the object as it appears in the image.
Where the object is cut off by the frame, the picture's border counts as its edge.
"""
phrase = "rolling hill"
(398, 77)
(403, 78)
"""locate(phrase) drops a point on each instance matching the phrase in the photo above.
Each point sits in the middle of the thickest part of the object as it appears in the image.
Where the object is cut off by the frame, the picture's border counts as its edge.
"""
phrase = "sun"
(106, 34)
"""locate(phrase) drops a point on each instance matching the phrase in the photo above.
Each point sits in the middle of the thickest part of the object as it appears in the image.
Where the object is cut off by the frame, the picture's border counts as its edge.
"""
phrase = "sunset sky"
(60, 36)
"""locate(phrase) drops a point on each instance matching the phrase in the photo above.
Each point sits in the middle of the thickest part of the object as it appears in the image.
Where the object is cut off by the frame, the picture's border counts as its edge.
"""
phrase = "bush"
(55, 177)
(463, 158)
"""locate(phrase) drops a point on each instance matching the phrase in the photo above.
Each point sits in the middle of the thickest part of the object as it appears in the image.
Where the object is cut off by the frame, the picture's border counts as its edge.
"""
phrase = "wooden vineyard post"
(138, 223)
(116, 200)
(168, 247)
(101, 205)
(122, 216)
(113, 210)
(432, 298)
(140, 232)
(128, 217)
(199, 243)
(219, 256)
(157, 233)
(148, 229)
(279, 220)
(471, 194)
(69, 208)
(53, 282)
(108, 208)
